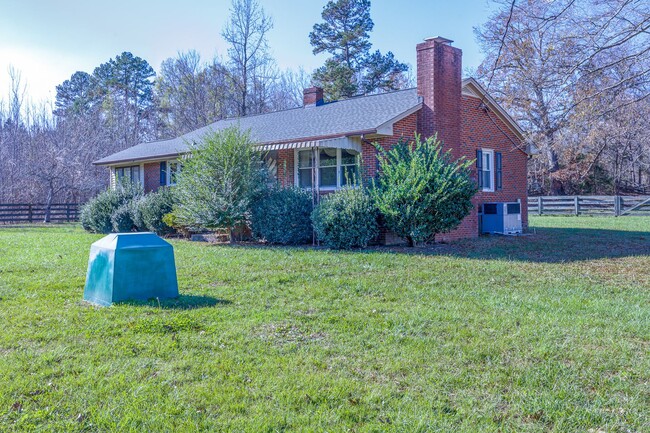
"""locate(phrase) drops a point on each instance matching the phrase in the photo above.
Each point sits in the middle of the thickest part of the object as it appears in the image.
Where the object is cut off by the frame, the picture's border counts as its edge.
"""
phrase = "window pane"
(304, 178)
(328, 159)
(350, 175)
(305, 158)
(328, 176)
(135, 174)
(173, 169)
(487, 179)
(487, 157)
(348, 157)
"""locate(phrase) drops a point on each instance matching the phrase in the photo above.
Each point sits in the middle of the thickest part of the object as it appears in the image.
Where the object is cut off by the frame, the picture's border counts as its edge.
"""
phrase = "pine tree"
(352, 69)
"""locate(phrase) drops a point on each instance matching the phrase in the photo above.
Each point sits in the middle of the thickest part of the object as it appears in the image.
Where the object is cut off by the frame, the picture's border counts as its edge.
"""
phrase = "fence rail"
(17, 213)
(616, 205)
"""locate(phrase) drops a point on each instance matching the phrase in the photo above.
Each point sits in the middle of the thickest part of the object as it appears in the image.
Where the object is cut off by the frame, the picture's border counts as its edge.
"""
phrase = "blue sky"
(47, 41)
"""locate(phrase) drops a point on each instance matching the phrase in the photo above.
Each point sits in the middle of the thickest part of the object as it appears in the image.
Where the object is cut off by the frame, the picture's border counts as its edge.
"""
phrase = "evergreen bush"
(421, 191)
(282, 216)
(152, 208)
(346, 219)
(96, 215)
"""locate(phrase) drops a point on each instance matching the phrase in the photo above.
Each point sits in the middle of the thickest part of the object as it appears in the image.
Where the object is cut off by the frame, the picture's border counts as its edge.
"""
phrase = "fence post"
(29, 211)
(539, 205)
(577, 205)
(617, 205)
(621, 205)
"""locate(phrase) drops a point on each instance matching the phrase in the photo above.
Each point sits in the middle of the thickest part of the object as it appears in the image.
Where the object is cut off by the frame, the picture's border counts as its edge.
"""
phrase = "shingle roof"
(356, 115)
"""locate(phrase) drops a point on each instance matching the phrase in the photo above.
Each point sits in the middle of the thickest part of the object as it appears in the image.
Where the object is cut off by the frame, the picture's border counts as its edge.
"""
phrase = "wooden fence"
(589, 205)
(35, 213)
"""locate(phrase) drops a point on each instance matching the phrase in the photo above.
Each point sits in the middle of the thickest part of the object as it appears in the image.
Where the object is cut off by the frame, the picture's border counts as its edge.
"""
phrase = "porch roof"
(337, 143)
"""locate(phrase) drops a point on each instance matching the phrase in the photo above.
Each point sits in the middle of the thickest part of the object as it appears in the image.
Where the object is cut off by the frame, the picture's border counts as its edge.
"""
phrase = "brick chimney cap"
(440, 40)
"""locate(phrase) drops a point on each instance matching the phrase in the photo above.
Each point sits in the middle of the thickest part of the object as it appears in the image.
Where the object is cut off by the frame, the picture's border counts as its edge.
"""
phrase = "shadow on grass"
(543, 245)
(183, 302)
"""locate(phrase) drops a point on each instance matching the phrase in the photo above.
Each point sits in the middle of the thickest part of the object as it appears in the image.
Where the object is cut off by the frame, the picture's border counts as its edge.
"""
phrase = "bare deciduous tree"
(562, 61)
(246, 32)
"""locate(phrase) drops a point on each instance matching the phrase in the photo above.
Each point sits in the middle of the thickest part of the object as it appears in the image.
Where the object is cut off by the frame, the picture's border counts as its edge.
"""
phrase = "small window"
(513, 208)
(327, 168)
(173, 168)
(305, 165)
(349, 167)
(490, 209)
(485, 165)
(488, 170)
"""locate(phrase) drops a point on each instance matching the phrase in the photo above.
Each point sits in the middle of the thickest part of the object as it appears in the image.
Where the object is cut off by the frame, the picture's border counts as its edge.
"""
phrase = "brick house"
(319, 145)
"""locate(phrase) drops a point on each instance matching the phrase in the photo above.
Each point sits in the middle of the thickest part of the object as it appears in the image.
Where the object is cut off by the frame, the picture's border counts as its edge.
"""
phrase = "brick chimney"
(312, 97)
(439, 79)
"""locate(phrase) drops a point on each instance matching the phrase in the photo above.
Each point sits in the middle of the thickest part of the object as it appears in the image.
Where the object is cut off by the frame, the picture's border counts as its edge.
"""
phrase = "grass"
(549, 332)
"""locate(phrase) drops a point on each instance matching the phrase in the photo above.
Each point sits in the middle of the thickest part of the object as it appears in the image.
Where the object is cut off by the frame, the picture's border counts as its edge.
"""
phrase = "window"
(128, 174)
(336, 167)
(349, 167)
(168, 172)
(488, 165)
(305, 164)
(488, 156)
(327, 159)
(174, 169)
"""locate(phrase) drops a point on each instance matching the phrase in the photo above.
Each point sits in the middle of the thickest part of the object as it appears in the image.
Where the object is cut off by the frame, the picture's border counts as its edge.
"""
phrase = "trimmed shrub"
(152, 208)
(346, 219)
(122, 218)
(282, 216)
(422, 191)
(96, 215)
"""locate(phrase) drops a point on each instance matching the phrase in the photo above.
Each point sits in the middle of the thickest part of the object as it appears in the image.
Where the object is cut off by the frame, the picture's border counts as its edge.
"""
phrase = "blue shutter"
(479, 167)
(163, 173)
(497, 165)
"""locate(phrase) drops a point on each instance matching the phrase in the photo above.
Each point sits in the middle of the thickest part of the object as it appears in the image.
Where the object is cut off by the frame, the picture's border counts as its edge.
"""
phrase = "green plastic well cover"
(130, 266)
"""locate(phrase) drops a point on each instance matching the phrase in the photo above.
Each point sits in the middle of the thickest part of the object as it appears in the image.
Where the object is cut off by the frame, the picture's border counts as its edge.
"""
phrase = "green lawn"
(549, 332)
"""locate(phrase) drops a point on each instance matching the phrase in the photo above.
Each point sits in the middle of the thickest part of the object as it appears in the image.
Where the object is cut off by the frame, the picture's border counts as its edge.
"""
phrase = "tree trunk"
(48, 204)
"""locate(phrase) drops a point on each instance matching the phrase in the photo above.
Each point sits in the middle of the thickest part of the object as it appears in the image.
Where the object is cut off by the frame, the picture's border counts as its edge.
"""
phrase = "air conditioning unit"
(501, 218)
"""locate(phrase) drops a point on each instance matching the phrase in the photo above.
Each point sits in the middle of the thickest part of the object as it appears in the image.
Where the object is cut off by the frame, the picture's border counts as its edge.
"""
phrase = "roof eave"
(153, 158)
(499, 110)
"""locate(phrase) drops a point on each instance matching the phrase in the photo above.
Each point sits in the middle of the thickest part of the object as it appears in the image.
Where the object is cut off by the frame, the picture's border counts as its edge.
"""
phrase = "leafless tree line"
(576, 75)
(46, 152)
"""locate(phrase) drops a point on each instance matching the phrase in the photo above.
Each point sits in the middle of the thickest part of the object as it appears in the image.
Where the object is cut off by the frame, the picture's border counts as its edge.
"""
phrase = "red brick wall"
(151, 176)
(403, 129)
(286, 161)
(485, 130)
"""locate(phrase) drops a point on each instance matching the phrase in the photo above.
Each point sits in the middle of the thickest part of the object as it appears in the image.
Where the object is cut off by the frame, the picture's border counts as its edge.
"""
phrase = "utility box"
(501, 218)
(130, 266)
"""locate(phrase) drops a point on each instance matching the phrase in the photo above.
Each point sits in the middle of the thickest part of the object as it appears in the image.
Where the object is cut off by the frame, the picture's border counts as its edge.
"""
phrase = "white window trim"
(296, 169)
(492, 170)
(168, 172)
